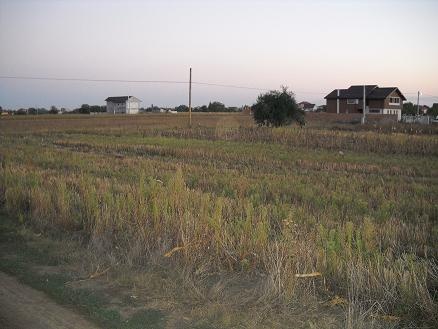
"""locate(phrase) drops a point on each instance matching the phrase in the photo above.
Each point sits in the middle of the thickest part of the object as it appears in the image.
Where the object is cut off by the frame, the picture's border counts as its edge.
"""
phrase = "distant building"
(122, 104)
(306, 106)
(387, 100)
(424, 109)
(321, 108)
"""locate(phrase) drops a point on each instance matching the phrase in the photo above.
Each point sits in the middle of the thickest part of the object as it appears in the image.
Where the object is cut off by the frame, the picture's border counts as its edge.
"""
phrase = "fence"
(421, 119)
(350, 118)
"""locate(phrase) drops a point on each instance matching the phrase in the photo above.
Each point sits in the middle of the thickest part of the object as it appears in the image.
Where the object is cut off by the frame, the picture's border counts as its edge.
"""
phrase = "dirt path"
(22, 307)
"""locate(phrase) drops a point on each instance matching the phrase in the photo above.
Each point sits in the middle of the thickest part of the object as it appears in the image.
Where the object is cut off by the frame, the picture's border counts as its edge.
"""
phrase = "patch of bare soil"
(22, 307)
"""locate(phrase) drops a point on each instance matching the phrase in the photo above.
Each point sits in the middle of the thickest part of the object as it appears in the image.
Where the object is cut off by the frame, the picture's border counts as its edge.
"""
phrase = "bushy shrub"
(277, 108)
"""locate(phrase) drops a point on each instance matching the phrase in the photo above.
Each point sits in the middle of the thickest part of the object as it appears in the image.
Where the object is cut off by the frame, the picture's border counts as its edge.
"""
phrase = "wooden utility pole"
(364, 103)
(190, 99)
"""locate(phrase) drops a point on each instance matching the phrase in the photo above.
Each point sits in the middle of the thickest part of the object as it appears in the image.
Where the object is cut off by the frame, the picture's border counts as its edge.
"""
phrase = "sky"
(310, 46)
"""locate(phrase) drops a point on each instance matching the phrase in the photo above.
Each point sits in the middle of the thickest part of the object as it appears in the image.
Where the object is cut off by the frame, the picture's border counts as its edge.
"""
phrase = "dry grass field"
(264, 226)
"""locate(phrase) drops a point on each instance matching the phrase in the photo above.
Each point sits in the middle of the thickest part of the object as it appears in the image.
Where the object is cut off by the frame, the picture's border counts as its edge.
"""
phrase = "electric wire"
(200, 83)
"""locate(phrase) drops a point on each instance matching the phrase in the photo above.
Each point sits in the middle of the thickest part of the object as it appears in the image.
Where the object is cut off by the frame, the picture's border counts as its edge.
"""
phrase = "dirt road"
(22, 307)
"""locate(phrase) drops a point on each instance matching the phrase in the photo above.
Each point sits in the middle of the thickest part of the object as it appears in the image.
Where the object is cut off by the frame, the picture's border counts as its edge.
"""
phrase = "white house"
(122, 104)
(306, 106)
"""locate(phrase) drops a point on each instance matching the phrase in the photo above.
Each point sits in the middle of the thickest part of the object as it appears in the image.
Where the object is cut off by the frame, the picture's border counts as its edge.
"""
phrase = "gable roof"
(306, 105)
(352, 92)
(334, 94)
(371, 92)
(382, 93)
(120, 99)
(357, 91)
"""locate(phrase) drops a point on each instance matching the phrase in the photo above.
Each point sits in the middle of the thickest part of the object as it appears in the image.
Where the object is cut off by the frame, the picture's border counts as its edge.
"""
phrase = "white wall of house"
(396, 112)
(115, 108)
(130, 106)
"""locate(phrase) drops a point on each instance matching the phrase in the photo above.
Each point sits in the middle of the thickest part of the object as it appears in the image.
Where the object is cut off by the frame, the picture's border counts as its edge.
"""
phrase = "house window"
(394, 100)
(352, 101)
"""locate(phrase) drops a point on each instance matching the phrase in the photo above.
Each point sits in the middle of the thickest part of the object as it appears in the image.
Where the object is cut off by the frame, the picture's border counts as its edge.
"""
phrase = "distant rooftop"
(306, 105)
(118, 99)
(371, 92)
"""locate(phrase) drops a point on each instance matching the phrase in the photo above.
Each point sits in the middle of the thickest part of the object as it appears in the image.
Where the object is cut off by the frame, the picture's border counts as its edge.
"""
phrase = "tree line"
(211, 107)
(411, 109)
(84, 109)
(408, 109)
(275, 108)
(87, 109)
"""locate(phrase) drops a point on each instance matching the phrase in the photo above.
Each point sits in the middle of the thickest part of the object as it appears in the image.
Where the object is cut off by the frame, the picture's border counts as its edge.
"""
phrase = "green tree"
(409, 109)
(202, 108)
(32, 110)
(152, 108)
(433, 111)
(84, 109)
(321, 108)
(182, 108)
(277, 108)
(53, 110)
(216, 107)
(97, 108)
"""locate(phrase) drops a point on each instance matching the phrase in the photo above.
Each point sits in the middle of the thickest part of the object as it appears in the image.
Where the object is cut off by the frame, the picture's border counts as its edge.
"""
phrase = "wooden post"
(364, 103)
(190, 99)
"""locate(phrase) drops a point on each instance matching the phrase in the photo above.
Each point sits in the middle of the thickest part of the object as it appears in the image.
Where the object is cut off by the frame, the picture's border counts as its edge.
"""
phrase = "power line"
(229, 86)
(430, 96)
(200, 83)
(415, 93)
(255, 88)
(131, 81)
(310, 92)
(90, 80)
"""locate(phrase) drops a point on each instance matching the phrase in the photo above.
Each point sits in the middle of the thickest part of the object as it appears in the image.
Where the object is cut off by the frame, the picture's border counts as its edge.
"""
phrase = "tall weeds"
(367, 228)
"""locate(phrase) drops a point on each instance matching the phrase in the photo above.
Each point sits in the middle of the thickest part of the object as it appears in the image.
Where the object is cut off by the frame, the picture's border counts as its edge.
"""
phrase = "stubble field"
(250, 217)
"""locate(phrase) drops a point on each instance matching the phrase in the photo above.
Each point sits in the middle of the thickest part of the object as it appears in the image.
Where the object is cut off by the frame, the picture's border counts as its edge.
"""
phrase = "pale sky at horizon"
(312, 47)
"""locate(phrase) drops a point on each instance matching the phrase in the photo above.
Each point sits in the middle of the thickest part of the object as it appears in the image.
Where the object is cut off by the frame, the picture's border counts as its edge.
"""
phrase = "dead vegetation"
(281, 208)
